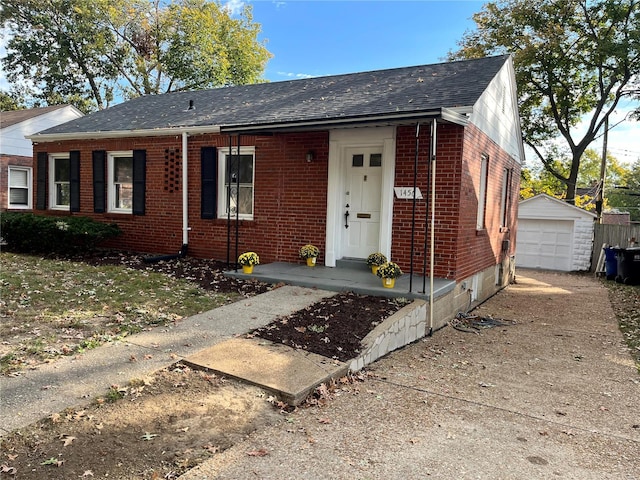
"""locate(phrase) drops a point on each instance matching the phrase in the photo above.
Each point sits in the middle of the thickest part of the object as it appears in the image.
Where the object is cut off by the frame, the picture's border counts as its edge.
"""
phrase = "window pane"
(357, 160)
(18, 196)
(124, 195)
(62, 194)
(123, 170)
(18, 178)
(245, 172)
(375, 160)
(246, 200)
(61, 170)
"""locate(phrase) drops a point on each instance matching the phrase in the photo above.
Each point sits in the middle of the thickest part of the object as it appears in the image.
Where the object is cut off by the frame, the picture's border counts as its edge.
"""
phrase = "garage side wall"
(583, 244)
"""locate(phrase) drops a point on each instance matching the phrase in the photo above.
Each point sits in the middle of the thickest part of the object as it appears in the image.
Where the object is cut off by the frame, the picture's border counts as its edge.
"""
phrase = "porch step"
(353, 264)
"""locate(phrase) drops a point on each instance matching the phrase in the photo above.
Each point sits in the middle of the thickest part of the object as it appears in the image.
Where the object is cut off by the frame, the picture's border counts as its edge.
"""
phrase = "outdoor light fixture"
(310, 156)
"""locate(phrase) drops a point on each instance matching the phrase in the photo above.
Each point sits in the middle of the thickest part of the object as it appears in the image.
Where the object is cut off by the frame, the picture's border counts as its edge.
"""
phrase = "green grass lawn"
(54, 307)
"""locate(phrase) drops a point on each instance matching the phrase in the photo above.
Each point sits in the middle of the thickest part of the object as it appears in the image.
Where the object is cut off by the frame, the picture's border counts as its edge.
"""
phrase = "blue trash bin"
(610, 263)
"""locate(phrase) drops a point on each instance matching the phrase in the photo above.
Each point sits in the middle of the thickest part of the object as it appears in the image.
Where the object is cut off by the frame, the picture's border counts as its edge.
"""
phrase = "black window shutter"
(74, 181)
(139, 180)
(99, 182)
(41, 181)
(208, 189)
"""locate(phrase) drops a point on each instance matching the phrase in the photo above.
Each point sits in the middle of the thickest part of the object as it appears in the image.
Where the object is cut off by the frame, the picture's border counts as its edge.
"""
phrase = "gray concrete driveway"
(554, 396)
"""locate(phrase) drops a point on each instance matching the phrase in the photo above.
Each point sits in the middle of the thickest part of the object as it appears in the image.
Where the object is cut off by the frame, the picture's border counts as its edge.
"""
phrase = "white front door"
(362, 201)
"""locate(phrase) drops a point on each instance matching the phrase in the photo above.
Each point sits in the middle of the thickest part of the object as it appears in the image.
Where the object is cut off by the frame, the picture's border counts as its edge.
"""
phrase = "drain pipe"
(185, 195)
(433, 221)
(185, 212)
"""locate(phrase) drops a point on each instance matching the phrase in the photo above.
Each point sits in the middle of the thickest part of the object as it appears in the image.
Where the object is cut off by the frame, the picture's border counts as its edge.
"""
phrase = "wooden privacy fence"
(612, 235)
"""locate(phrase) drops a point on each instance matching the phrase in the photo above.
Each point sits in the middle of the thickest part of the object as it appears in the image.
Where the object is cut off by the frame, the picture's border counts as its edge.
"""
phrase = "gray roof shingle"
(398, 91)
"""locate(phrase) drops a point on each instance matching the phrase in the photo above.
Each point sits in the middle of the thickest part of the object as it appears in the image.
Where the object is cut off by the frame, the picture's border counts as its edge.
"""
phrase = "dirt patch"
(156, 428)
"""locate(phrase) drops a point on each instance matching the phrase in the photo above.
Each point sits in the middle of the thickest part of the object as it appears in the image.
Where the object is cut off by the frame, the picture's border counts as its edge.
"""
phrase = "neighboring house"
(554, 235)
(273, 166)
(616, 218)
(16, 151)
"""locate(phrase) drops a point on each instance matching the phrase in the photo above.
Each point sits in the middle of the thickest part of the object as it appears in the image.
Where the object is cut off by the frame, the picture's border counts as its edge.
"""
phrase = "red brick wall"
(5, 161)
(460, 249)
(290, 196)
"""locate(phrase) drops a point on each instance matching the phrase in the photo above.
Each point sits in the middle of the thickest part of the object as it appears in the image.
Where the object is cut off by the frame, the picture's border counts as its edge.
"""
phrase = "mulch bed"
(333, 327)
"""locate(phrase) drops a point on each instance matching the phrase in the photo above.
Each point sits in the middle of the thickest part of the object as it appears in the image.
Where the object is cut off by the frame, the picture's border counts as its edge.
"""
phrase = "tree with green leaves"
(92, 52)
(534, 181)
(625, 196)
(574, 61)
(9, 101)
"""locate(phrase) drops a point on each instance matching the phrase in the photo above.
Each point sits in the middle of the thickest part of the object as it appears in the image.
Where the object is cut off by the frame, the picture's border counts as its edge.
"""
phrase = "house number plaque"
(406, 193)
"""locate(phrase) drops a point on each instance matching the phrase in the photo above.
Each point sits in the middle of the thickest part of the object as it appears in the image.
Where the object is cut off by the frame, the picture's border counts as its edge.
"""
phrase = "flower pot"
(311, 262)
(388, 282)
(374, 269)
(247, 269)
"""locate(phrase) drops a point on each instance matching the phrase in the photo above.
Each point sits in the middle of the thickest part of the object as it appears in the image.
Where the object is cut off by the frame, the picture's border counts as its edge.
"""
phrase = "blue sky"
(314, 38)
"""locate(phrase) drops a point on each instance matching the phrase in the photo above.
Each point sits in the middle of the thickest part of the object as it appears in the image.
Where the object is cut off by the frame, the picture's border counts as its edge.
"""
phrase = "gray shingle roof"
(396, 91)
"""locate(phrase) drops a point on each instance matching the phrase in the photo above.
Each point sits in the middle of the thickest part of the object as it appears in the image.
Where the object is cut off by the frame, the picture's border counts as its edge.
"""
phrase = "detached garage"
(553, 235)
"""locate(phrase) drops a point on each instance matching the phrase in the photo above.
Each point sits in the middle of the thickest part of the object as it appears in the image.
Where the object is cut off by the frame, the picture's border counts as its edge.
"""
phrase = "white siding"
(496, 112)
(13, 141)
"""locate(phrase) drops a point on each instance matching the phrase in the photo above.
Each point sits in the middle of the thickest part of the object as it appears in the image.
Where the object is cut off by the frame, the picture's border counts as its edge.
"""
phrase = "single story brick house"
(333, 161)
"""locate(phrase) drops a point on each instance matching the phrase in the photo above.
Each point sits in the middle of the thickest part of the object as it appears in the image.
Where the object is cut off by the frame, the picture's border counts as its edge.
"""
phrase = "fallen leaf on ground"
(258, 453)
(4, 468)
(68, 439)
(324, 421)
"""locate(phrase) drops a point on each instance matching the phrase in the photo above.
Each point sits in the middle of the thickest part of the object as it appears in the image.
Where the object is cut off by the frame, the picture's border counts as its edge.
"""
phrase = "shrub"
(29, 233)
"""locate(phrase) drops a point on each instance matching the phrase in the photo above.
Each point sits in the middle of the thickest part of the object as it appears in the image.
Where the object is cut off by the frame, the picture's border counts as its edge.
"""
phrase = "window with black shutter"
(99, 182)
(208, 188)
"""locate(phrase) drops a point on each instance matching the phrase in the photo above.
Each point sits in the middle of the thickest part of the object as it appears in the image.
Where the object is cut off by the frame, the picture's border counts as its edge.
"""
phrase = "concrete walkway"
(71, 381)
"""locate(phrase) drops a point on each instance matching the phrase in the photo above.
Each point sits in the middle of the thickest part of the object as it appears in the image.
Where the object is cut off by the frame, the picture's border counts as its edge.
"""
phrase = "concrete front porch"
(348, 275)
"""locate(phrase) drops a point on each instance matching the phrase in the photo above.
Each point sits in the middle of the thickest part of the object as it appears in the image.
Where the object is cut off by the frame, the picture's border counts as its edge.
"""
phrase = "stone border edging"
(402, 328)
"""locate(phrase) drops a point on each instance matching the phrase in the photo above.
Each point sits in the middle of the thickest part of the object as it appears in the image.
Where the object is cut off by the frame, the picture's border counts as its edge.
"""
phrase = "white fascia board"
(156, 132)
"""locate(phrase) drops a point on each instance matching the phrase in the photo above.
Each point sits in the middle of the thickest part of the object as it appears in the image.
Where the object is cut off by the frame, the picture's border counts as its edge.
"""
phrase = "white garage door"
(544, 244)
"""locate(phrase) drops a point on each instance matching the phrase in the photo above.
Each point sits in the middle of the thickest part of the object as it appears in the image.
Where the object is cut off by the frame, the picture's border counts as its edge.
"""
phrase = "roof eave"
(155, 132)
(445, 114)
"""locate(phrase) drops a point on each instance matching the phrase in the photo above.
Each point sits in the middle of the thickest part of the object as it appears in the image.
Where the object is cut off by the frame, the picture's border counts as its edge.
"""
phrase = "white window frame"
(29, 187)
(111, 186)
(504, 197)
(53, 200)
(482, 192)
(222, 188)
